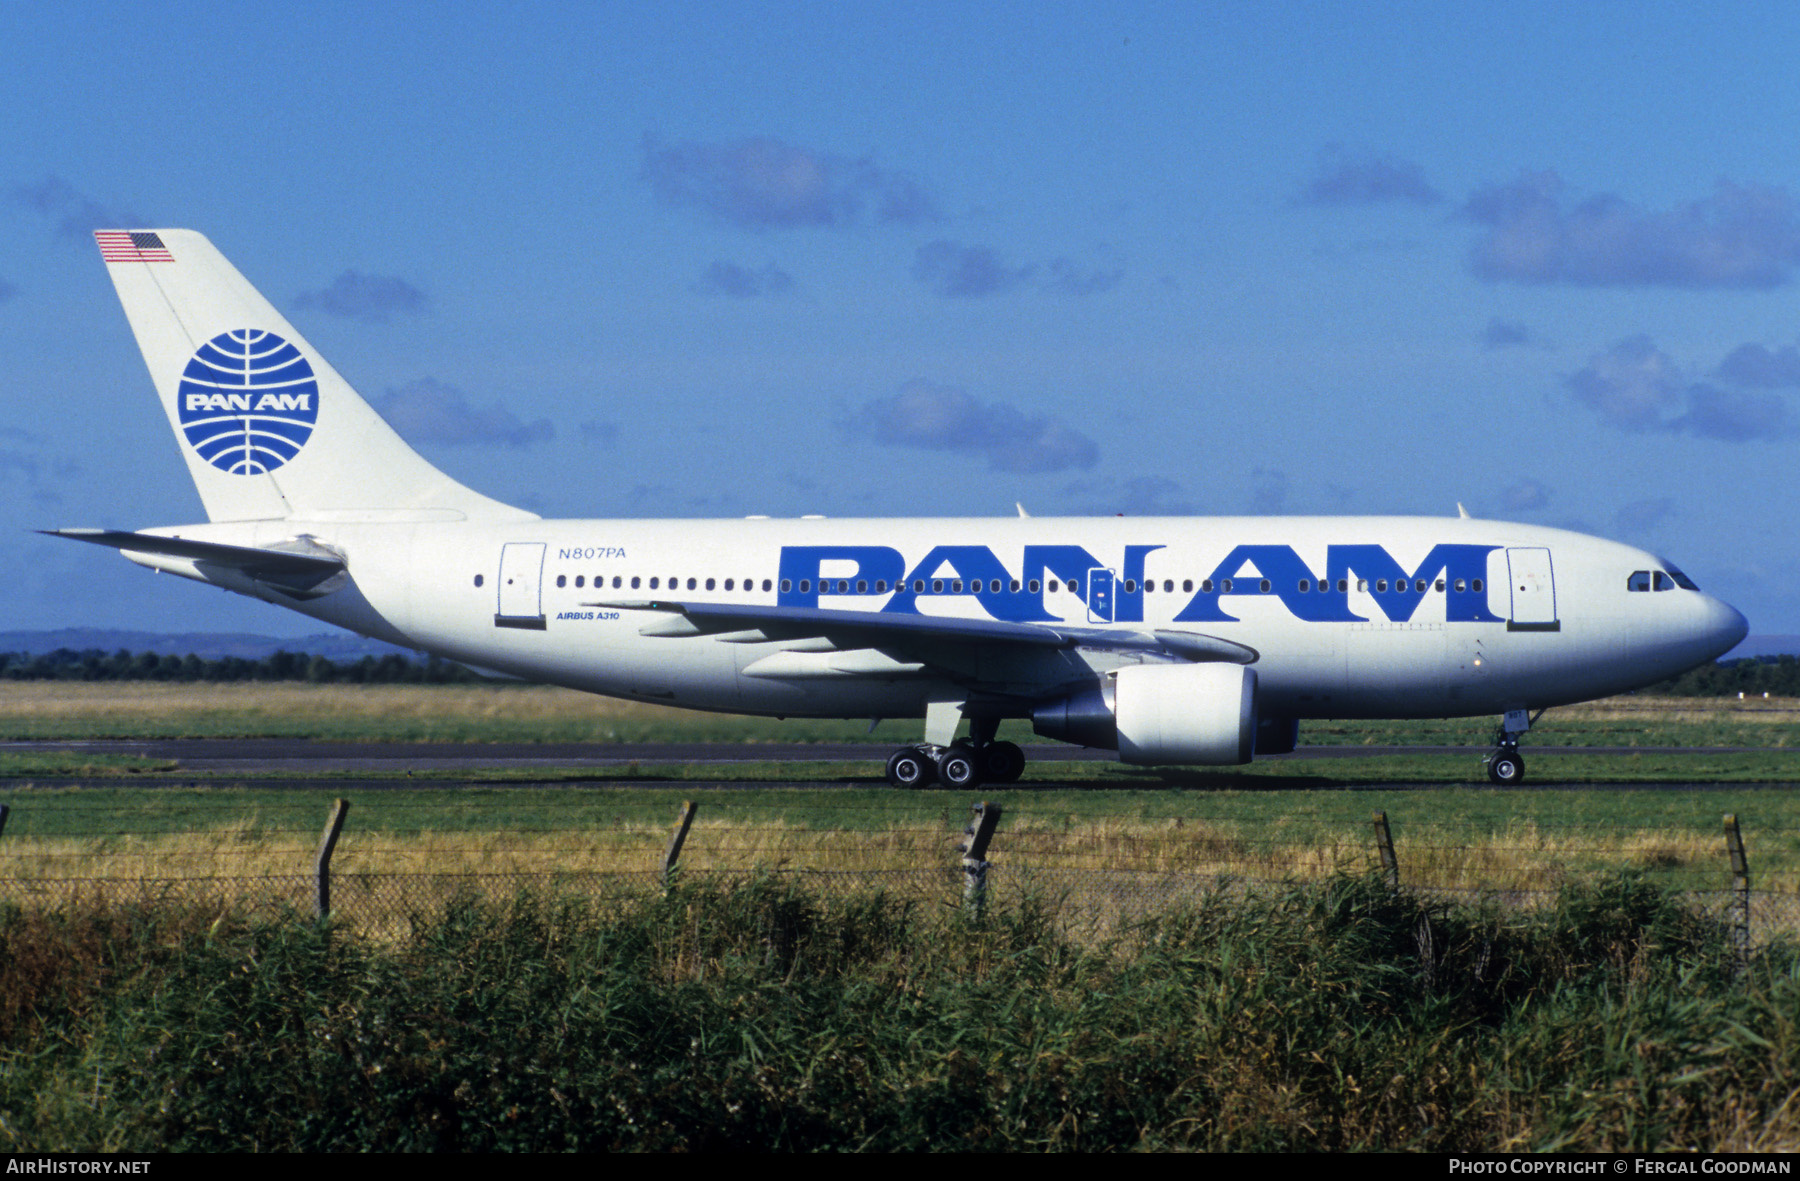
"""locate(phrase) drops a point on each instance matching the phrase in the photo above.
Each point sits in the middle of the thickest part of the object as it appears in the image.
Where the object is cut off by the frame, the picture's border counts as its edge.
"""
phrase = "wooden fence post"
(974, 851)
(1384, 840)
(322, 864)
(1739, 909)
(5, 811)
(675, 842)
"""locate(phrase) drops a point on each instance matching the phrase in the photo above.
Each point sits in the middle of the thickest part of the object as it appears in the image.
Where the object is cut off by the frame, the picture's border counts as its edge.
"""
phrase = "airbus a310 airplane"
(1170, 640)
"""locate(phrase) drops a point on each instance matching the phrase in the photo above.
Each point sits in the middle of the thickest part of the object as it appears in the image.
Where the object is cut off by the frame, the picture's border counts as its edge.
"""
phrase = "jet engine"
(1161, 714)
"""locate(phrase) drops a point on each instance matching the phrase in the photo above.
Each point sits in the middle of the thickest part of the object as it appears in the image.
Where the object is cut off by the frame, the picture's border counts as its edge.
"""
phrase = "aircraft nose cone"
(1725, 626)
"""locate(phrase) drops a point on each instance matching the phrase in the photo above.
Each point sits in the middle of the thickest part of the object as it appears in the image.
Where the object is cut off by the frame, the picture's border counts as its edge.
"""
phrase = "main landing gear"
(961, 764)
(964, 763)
(1506, 766)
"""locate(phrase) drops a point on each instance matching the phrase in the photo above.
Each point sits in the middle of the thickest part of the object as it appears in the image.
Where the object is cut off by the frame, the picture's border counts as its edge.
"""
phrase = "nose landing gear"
(1506, 766)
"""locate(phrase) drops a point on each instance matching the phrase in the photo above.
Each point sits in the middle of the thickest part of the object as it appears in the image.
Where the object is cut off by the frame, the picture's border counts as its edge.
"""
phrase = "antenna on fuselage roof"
(1461, 511)
(1021, 507)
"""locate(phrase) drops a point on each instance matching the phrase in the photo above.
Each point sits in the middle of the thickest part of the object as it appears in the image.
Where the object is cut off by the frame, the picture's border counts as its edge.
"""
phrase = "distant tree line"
(1778, 676)
(93, 664)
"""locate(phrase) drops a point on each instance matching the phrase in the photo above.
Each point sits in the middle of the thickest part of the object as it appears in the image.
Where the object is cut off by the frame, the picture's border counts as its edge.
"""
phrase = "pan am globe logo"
(248, 402)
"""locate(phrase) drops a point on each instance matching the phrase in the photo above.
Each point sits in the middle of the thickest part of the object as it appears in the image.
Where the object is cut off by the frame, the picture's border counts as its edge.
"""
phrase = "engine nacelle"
(1161, 714)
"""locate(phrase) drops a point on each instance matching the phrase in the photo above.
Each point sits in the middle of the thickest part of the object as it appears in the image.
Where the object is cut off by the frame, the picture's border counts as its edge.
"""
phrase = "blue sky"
(872, 260)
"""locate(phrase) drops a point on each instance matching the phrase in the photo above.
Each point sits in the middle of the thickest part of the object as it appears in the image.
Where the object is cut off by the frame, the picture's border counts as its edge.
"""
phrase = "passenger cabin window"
(478, 580)
(562, 580)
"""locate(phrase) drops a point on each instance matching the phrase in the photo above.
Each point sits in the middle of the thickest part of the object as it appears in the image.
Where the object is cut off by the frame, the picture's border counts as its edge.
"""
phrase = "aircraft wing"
(907, 642)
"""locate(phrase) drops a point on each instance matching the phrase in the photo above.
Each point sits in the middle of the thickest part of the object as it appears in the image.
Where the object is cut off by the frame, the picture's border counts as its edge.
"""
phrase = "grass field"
(1275, 818)
(521, 713)
(778, 1015)
(1176, 957)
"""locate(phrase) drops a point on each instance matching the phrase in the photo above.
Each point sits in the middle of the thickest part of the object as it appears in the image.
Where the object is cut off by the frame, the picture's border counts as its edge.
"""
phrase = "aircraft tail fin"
(268, 428)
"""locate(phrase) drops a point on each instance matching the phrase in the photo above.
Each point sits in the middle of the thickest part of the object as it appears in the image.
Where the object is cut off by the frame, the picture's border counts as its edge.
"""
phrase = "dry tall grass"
(41, 706)
(289, 702)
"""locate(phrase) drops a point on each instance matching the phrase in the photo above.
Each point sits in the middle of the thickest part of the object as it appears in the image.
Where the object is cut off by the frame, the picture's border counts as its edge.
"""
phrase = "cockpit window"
(1659, 580)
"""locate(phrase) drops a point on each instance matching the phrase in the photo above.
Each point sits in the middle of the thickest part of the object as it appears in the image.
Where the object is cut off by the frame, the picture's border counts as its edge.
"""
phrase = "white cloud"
(431, 411)
(1739, 237)
(762, 183)
(924, 415)
(373, 299)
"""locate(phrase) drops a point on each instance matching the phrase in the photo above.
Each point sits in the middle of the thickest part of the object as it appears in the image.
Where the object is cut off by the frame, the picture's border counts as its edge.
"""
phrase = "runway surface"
(301, 763)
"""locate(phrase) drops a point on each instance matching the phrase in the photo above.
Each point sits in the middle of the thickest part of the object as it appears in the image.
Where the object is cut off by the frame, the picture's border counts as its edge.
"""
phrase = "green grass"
(1338, 1015)
(489, 713)
(1425, 770)
(1463, 837)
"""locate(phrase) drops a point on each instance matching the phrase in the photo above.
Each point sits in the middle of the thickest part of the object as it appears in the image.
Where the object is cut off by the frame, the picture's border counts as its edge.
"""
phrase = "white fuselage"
(1348, 616)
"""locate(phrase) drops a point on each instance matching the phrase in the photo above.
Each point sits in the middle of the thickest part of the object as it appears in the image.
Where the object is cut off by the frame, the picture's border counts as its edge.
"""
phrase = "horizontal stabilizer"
(299, 572)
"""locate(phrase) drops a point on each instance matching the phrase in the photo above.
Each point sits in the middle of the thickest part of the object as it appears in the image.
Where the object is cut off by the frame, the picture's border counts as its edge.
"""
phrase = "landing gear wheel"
(1002, 762)
(1506, 768)
(910, 768)
(957, 767)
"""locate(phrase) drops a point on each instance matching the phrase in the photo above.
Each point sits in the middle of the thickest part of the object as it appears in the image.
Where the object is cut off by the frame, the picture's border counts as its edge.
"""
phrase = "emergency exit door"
(521, 586)
(1101, 587)
(1533, 587)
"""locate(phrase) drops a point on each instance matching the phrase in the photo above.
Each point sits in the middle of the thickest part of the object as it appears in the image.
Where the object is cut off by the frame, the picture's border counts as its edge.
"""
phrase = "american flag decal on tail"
(130, 246)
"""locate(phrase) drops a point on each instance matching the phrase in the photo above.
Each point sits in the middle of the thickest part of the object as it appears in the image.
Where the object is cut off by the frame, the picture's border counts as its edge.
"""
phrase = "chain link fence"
(394, 856)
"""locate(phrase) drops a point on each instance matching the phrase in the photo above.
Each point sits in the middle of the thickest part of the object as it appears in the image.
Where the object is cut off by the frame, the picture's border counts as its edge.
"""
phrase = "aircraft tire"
(1506, 768)
(1002, 762)
(958, 768)
(910, 768)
